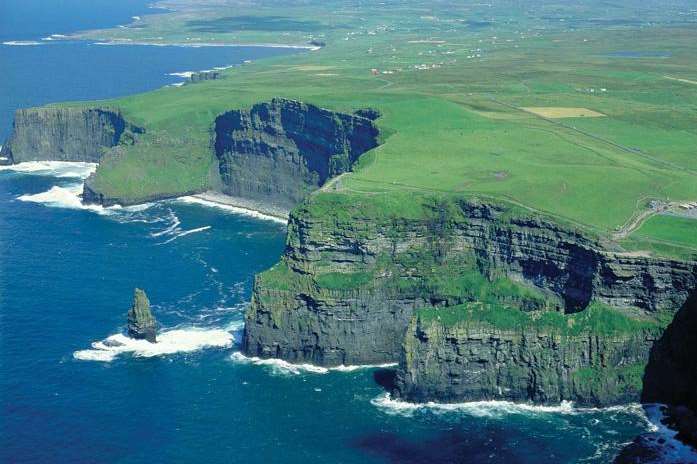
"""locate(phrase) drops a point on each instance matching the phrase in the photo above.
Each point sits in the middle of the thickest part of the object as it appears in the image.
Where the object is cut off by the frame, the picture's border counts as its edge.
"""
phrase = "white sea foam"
(230, 208)
(63, 169)
(69, 197)
(66, 196)
(205, 44)
(279, 366)
(168, 342)
(54, 37)
(184, 233)
(184, 74)
(490, 408)
(174, 224)
(63, 197)
(21, 43)
(135, 18)
(673, 451)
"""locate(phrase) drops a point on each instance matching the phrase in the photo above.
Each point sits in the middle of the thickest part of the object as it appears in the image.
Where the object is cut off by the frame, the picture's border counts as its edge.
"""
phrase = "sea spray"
(494, 409)
(183, 340)
(60, 169)
(198, 200)
(282, 367)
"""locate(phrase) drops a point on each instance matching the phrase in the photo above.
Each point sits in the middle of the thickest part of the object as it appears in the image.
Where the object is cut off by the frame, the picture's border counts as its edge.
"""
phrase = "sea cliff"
(277, 152)
(271, 155)
(66, 134)
(476, 298)
(359, 272)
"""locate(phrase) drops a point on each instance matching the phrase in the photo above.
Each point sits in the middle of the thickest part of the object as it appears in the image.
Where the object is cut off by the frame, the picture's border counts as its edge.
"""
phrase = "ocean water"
(67, 274)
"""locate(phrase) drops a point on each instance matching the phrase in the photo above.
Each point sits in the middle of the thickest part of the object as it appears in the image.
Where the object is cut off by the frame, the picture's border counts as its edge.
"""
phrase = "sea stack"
(141, 323)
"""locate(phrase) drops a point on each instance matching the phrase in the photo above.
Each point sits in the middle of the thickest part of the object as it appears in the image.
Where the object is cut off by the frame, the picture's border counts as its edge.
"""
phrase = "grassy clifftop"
(581, 119)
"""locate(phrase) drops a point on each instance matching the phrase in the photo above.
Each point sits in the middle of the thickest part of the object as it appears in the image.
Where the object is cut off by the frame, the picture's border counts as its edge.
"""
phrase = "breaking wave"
(491, 409)
(62, 169)
(63, 197)
(185, 340)
(68, 197)
(230, 208)
(173, 231)
(184, 74)
(21, 43)
(184, 233)
(204, 44)
(54, 37)
(281, 367)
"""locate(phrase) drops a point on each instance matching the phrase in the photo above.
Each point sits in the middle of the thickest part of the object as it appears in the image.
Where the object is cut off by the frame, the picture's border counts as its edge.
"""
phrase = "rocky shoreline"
(476, 299)
(253, 207)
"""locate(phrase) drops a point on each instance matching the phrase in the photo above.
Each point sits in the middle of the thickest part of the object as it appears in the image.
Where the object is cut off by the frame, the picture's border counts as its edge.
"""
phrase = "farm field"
(580, 119)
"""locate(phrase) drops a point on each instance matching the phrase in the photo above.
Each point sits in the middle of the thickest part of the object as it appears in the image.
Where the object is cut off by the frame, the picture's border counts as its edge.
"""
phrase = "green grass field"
(450, 85)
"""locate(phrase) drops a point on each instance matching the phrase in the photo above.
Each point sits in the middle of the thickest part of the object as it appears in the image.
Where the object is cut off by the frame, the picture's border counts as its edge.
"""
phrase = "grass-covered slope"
(465, 103)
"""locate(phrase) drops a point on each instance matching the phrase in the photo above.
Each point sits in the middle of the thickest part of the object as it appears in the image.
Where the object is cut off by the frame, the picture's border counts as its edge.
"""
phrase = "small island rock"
(141, 323)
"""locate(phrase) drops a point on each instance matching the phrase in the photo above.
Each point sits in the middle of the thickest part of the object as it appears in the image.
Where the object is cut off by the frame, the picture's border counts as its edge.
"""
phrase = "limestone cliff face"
(201, 76)
(478, 361)
(350, 282)
(670, 378)
(278, 152)
(141, 323)
(65, 134)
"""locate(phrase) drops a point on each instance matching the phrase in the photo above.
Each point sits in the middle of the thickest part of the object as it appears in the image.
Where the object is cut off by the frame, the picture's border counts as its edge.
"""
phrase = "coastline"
(117, 41)
(239, 205)
(108, 42)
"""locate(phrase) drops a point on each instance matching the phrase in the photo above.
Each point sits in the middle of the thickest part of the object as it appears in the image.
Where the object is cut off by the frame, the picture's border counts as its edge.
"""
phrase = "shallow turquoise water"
(66, 281)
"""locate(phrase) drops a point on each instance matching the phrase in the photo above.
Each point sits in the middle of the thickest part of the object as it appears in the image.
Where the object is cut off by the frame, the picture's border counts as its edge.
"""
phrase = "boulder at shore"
(141, 323)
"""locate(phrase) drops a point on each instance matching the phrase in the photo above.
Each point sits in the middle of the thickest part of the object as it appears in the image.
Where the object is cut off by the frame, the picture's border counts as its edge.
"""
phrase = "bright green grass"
(631, 375)
(453, 129)
(596, 318)
(343, 281)
(671, 229)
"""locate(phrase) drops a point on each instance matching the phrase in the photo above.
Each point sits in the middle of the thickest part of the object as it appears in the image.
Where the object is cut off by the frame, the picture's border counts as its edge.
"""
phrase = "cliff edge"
(476, 299)
(66, 134)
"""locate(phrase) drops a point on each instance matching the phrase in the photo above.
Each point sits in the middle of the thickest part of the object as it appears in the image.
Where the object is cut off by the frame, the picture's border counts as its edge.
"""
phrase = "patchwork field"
(583, 119)
(552, 112)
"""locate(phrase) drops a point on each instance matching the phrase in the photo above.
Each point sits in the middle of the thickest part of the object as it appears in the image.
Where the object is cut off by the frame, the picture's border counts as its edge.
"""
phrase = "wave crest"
(281, 367)
(492, 409)
(168, 343)
(61, 169)
(21, 43)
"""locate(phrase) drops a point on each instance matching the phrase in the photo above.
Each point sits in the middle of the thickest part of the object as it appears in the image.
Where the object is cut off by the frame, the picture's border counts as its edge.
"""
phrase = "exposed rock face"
(478, 361)
(278, 152)
(671, 378)
(141, 323)
(295, 316)
(204, 76)
(65, 134)
(674, 357)
(672, 443)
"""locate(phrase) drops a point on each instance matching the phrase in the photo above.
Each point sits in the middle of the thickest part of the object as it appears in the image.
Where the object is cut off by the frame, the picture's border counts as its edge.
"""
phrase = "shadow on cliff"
(386, 378)
(671, 373)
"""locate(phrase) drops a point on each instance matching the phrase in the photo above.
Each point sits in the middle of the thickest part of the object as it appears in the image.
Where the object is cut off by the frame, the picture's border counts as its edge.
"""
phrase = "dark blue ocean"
(67, 275)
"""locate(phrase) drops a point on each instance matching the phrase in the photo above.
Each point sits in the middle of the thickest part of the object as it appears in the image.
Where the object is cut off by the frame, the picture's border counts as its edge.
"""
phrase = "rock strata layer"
(201, 76)
(278, 152)
(351, 279)
(476, 360)
(141, 323)
(65, 134)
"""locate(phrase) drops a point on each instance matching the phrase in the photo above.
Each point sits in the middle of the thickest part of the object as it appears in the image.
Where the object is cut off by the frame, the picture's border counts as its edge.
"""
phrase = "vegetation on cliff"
(516, 186)
(464, 109)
